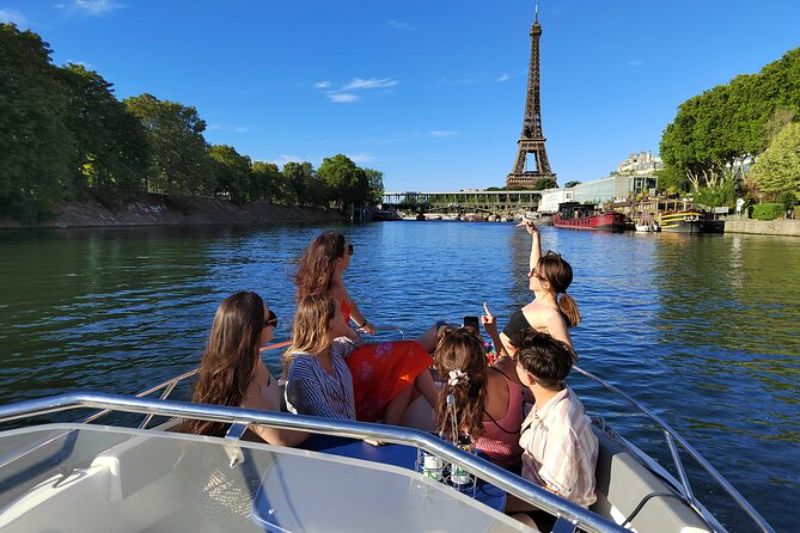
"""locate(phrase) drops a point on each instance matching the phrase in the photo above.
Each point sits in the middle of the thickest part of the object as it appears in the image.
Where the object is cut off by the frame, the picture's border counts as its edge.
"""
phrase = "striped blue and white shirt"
(310, 390)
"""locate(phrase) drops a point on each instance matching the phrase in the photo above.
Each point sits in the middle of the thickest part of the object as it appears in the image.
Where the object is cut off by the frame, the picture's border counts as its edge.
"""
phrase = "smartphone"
(472, 321)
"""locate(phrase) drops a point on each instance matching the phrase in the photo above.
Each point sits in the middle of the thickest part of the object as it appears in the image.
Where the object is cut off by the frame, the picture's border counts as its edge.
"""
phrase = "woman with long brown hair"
(486, 401)
(232, 372)
(382, 373)
(552, 310)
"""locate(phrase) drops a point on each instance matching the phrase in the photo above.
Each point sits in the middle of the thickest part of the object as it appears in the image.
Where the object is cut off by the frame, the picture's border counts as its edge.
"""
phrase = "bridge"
(494, 201)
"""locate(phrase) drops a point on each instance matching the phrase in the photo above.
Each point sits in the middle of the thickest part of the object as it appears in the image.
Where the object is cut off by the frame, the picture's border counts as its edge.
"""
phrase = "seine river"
(703, 330)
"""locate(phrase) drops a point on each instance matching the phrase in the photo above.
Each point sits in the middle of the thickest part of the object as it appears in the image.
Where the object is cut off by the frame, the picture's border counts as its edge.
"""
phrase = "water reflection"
(701, 330)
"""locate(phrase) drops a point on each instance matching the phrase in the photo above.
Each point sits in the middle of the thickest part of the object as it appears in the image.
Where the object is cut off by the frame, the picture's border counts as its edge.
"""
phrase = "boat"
(646, 224)
(682, 221)
(575, 215)
(142, 474)
(473, 217)
(433, 216)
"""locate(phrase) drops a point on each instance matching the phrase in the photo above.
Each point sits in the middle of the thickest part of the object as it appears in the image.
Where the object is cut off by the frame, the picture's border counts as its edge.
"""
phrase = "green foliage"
(179, 158)
(232, 174)
(544, 183)
(64, 135)
(720, 195)
(730, 122)
(769, 211)
(777, 172)
(375, 180)
(36, 147)
(267, 182)
(111, 151)
(347, 183)
(571, 184)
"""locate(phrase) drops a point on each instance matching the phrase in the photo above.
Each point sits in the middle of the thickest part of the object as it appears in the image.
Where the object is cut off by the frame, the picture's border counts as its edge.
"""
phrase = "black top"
(516, 326)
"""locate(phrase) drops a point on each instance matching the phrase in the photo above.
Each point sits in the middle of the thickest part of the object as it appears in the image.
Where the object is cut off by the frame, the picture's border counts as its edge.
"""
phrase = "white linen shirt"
(560, 449)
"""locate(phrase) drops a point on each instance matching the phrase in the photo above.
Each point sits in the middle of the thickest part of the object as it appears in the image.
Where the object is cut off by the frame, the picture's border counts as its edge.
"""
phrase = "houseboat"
(584, 216)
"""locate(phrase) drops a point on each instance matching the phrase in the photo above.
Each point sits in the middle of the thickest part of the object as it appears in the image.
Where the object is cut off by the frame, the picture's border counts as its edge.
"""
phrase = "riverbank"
(789, 228)
(160, 210)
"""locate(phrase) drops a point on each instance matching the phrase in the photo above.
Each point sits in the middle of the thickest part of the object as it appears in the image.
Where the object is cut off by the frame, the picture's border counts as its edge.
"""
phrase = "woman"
(318, 382)
(232, 372)
(382, 373)
(549, 277)
(486, 400)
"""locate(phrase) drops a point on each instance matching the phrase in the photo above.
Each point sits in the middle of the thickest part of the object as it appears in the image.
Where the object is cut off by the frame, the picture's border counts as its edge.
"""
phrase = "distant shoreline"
(162, 210)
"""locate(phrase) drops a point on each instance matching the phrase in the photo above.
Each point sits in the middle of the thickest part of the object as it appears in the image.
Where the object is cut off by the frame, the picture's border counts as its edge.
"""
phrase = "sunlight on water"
(703, 330)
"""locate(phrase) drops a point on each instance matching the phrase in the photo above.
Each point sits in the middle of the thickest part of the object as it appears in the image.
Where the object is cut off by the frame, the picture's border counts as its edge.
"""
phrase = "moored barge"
(579, 216)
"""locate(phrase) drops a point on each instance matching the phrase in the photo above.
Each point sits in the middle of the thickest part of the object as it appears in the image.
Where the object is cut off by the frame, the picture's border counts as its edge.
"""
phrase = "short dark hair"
(547, 359)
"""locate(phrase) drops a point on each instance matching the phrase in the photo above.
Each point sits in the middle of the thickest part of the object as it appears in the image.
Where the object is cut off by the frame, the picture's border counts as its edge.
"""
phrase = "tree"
(111, 151)
(268, 183)
(571, 184)
(179, 159)
(347, 183)
(232, 174)
(777, 172)
(36, 147)
(302, 181)
(375, 180)
(544, 183)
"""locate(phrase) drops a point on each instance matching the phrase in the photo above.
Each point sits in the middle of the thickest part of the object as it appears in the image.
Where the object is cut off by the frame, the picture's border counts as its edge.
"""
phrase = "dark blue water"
(703, 330)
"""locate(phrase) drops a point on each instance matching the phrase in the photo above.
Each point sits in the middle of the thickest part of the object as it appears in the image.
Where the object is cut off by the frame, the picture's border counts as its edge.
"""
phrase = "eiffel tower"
(531, 141)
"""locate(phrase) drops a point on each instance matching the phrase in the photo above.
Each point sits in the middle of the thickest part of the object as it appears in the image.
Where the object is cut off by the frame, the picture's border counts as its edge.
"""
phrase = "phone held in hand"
(472, 322)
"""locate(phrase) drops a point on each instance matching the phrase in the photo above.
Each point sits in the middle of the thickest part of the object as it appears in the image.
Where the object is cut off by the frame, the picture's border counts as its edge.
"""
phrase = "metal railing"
(570, 516)
(672, 437)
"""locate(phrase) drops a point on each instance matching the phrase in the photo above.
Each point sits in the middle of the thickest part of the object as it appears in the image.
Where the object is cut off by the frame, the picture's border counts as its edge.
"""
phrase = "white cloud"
(442, 134)
(361, 158)
(285, 158)
(343, 98)
(635, 63)
(503, 77)
(372, 83)
(322, 84)
(92, 7)
(399, 25)
(10, 15)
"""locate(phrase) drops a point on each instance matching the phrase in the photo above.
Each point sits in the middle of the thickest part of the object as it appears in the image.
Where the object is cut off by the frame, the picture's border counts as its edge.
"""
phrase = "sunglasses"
(350, 249)
(272, 320)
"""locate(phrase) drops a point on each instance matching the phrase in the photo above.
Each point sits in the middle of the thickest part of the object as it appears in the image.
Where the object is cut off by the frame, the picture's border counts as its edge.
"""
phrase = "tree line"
(64, 135)
(740, 139)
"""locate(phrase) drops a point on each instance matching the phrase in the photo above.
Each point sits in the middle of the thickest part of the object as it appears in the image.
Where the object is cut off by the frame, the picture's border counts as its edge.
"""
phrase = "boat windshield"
(76, 477)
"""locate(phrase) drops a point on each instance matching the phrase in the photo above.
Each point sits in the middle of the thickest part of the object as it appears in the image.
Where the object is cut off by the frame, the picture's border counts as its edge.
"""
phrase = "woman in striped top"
(318, 381)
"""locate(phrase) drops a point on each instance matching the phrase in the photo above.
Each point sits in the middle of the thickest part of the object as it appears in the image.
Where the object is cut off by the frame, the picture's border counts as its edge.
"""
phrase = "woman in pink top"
(487, 403)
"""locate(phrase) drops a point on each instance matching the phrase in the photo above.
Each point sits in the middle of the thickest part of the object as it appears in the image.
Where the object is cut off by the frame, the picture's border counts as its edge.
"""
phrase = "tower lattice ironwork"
(530, 147)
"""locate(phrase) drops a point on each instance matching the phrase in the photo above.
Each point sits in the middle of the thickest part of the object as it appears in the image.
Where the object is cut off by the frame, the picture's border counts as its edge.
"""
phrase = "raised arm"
(536, 245)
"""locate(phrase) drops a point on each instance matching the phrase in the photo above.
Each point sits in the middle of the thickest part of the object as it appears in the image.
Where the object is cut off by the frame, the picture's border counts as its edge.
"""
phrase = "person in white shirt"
(560, 449)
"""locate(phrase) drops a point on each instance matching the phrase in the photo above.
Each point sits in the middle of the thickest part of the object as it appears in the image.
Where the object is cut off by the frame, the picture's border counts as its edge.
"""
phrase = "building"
(612, 188)
(640, 164)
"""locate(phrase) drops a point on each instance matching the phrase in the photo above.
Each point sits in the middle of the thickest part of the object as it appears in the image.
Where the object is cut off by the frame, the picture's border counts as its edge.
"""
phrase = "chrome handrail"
(501, 478)
(672, 436)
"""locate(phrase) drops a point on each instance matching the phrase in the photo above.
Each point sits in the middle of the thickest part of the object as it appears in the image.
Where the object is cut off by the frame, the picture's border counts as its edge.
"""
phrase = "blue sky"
(431, 92)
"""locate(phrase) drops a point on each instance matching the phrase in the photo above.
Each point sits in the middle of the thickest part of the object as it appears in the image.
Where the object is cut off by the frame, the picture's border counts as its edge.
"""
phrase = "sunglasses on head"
(272, 320)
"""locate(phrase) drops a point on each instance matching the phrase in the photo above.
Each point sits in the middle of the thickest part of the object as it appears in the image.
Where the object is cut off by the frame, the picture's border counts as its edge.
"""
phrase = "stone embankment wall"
(764, 227)
(159, 210)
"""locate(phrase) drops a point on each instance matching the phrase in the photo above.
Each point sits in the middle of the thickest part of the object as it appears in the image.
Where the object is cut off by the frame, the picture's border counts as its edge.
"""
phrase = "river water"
(702, 330)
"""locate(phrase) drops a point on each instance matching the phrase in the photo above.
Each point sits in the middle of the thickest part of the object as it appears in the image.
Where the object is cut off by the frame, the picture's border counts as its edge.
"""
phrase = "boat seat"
(625, 487)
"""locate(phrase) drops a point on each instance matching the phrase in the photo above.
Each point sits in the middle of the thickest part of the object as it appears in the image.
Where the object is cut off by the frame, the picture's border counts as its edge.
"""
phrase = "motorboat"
(126, 467)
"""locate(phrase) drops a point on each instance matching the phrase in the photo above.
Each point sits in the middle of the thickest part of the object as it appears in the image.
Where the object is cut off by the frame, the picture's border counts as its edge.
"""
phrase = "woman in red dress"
(383, 373)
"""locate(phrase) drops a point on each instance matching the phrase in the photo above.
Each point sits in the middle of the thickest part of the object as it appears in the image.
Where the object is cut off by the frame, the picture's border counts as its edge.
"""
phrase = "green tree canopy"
(179, 159)
(268, 183)
(572, 183)
(36, 146)
(111, 151)
(375, 180)
(347, 182)
(232, 173)
(777, 171)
